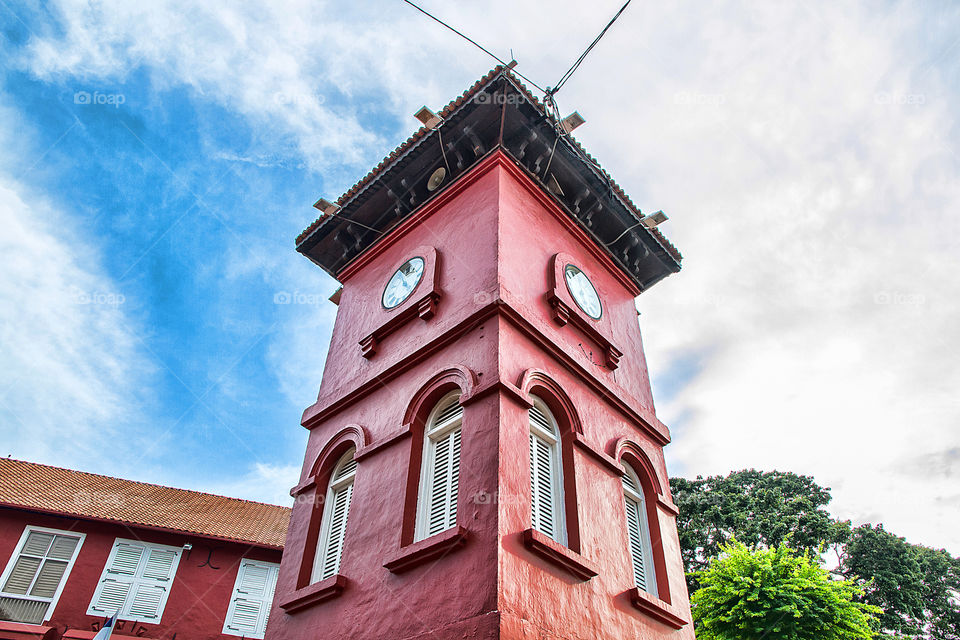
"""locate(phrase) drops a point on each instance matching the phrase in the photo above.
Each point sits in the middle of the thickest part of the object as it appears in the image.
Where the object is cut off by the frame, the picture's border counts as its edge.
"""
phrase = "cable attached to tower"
(579, 61)
(474, 43)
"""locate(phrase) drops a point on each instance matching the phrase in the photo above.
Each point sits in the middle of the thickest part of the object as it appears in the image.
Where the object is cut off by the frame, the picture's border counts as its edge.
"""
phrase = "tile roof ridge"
(139, 482)
(505, 71)
(419, 133)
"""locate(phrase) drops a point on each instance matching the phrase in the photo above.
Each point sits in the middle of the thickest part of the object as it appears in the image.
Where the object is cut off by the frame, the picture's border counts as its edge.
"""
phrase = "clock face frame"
(583, 291)
(402, 283)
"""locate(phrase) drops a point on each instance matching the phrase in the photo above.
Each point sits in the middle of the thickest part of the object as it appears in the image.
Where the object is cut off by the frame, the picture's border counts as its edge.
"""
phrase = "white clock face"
(403, 282)
(582, 291)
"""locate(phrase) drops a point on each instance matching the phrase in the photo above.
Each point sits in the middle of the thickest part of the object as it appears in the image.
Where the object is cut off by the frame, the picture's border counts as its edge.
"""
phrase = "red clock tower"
(484, 458)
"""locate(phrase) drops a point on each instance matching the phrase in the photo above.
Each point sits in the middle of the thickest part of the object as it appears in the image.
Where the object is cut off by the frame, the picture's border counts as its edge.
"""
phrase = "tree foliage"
(776, 594)
(759, 509)
(917, 588)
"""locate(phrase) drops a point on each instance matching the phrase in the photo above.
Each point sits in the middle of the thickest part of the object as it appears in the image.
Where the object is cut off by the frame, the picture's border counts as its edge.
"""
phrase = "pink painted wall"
(495, 240)
(529, 235)
(199, 597)
(465, 236)
(536, 598)
(461, 587)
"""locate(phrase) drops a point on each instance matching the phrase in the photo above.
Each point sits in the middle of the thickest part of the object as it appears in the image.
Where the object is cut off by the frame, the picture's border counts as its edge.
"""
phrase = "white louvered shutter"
(39, 567)
(154, 584)
(270, 594)
(136, 581)
(440, 474)
(338, 528)
(546, 499)
(253, 592)
(110, 596)
(638, 535)
(48, 579)
(541, 482)
(450, 413)
(335, 514)
(145, 603)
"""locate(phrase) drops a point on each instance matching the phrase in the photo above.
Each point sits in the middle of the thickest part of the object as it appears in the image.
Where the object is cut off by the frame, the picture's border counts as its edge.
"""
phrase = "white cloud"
(299, 71)
(70, 369)
(262, 482)
(813, 194)
(807, 155)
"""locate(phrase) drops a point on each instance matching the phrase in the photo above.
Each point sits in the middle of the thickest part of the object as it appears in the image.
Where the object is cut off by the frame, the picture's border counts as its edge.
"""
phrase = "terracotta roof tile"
(86, 495)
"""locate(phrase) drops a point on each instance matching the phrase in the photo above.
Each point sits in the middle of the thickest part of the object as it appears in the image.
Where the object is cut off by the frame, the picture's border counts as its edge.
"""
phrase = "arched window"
(440, 473)
(333, 524)
(638, 533)
(546, 474)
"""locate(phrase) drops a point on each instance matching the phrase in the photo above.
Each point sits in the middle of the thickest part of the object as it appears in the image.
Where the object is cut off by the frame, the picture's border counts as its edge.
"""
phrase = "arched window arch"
(638, 532)
(333, 522)
(546, 474)
(440, 472)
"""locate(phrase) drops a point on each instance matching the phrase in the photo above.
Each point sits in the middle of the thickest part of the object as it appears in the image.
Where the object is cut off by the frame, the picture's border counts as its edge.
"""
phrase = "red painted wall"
(199, 597)
(462, 585)
(536, 599)
(495, 239)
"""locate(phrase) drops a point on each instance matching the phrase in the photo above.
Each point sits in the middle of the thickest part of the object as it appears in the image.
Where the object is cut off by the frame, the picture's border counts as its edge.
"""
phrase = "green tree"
(759, 509)
(941, 592)
(776, 594)
(917, 588)
(891, 575)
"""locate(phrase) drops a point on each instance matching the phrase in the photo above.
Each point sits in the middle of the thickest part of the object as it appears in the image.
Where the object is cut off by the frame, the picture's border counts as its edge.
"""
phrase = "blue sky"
(158, 159)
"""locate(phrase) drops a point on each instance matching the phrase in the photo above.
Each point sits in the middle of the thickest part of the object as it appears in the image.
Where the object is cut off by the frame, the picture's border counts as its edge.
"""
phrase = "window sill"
(426, 550)
(26, 631)
(668, 506)
(656, 608)
(550, 550)
(78, 634)
(314, 594)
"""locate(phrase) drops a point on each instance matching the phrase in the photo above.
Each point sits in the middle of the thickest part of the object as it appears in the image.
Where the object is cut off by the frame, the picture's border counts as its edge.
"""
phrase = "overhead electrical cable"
(550, 103)
(583, 55)
(474, 43)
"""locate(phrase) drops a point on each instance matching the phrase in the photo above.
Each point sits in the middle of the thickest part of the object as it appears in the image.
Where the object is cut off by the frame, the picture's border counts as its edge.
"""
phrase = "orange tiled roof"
(446, 111)
(40, 487)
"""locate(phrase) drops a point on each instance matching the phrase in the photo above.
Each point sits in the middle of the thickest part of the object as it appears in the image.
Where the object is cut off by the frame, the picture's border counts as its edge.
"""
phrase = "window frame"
(136, 580)
(555, 442)
(234, 596)
(640, 500)
(432, 434)
(15, 555)
(334, 485)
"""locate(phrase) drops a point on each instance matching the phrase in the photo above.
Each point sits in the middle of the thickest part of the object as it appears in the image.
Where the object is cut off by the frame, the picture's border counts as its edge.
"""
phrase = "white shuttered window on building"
(546, 474)
(638, 533)
(136, 581)
(333, 524)
(440, 471)
(252, 596)
(34, 577)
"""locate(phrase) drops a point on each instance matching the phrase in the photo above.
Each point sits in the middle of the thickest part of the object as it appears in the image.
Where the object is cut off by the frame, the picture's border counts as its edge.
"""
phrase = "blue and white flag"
(107, 628)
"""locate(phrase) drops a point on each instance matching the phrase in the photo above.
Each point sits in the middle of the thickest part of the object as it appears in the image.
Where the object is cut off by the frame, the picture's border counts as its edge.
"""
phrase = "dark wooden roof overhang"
(496, 113)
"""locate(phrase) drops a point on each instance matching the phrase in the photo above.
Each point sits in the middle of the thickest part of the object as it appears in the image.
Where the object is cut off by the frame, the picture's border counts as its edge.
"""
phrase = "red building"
(484, 458)
(76, 547)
